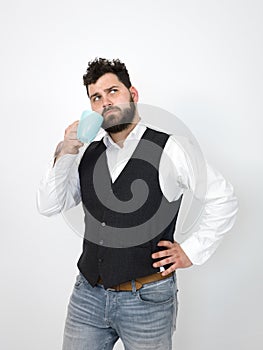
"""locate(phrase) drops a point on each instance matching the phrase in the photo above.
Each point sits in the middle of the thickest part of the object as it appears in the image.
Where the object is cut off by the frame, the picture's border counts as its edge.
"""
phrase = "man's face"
(114, 101)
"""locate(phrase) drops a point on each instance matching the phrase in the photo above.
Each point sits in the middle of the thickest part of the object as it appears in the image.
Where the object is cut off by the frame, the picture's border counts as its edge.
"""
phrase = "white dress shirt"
(59, 190)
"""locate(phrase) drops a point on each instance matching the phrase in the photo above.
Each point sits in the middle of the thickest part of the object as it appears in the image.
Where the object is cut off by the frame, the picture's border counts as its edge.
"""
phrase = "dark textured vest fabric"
(126, 219)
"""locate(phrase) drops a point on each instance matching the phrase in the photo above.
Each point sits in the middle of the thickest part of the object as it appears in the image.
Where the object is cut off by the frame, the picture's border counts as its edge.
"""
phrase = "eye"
(113, 90)
(96, 98)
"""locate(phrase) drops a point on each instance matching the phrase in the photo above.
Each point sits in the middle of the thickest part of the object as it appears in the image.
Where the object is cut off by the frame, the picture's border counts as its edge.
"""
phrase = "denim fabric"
(143, 319)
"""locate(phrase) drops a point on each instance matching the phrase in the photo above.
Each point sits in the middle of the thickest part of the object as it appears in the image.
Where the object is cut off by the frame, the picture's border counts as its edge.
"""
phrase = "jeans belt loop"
(133, 286)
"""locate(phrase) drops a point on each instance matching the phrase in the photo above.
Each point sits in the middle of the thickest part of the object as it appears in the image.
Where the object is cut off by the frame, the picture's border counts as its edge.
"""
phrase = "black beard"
(125, 121)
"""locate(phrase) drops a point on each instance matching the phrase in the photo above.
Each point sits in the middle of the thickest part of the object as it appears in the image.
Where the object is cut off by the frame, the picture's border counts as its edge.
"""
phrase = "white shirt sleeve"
(59, 190)
(219, 204)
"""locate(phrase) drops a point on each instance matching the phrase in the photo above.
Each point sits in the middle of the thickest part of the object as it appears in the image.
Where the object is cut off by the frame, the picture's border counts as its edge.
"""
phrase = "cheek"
(96, 108)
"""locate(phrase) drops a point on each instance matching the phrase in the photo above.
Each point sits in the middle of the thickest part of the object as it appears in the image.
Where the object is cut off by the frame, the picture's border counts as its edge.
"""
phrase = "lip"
(110, 111)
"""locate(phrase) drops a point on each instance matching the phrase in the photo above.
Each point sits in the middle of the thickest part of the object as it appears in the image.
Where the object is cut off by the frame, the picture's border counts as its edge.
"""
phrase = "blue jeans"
(142, 319)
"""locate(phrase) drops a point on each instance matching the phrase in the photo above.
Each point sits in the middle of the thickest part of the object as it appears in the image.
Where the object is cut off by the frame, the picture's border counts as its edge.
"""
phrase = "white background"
(202, 61)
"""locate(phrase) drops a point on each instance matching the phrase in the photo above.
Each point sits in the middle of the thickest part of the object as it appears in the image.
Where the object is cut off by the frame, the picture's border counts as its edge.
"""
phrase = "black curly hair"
(100, 66)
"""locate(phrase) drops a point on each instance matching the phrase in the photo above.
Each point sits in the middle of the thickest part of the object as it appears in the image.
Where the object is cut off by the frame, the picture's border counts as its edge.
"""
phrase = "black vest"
(126, 219)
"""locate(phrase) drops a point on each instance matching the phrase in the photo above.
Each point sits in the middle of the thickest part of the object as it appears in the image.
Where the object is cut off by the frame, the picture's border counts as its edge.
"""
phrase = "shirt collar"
(135, 134)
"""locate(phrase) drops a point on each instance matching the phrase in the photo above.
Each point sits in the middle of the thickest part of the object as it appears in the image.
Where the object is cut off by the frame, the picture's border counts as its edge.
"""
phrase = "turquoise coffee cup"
(89, 125)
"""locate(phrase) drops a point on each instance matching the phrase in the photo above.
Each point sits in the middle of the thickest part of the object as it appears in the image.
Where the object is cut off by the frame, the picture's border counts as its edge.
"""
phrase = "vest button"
(103, 224)
(100, 260)
(101, 242)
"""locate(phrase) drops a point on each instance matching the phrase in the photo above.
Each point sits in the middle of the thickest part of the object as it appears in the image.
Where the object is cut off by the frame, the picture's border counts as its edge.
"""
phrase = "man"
(128, 290)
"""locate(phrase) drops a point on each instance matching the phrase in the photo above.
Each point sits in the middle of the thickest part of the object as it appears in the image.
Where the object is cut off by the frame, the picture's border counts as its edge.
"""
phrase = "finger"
(162, 253)
(163, 262)
(71, 131)
(172, 268)
(73, 144)
(77, 143)
(71, 134)
(72, 137)
(75, 123)
(72, 126)
(167, 244)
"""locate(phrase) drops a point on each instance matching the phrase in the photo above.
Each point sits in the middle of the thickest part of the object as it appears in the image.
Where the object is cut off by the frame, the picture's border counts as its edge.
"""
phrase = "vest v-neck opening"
(126, 165)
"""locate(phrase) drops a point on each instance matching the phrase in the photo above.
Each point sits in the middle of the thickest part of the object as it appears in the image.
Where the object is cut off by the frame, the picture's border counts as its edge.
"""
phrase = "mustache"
(110, 108)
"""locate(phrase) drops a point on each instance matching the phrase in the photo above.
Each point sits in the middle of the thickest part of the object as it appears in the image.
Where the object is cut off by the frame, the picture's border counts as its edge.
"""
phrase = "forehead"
(104, 82)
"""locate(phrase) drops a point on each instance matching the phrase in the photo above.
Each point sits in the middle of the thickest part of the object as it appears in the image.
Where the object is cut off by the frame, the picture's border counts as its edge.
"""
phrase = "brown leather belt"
(139, 282)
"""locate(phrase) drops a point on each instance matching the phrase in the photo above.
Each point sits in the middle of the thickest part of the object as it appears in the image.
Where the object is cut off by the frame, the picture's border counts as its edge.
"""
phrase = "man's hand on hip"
(173, 254)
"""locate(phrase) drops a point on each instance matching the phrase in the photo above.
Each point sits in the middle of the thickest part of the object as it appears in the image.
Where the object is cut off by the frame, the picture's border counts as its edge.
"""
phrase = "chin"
(110, 120)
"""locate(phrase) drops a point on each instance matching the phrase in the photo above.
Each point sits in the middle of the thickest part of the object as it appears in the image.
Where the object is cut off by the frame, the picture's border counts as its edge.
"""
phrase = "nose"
(106, 102)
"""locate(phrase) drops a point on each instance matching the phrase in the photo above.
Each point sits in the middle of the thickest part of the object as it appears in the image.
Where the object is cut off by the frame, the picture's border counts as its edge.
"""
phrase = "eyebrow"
(105, 90)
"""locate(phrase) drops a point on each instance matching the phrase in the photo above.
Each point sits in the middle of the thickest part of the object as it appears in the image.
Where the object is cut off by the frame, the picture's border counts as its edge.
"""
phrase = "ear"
(134, 93)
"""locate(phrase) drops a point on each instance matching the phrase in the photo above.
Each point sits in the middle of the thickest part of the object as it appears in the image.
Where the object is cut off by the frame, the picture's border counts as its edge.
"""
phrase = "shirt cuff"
(65, 161)
(197, 252)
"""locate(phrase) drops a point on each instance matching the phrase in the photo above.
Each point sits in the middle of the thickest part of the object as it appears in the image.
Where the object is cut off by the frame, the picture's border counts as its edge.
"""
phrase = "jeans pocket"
(160, 292)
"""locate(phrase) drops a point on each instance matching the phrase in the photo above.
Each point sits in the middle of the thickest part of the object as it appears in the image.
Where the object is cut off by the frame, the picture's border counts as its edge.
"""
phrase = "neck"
(119, 137)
